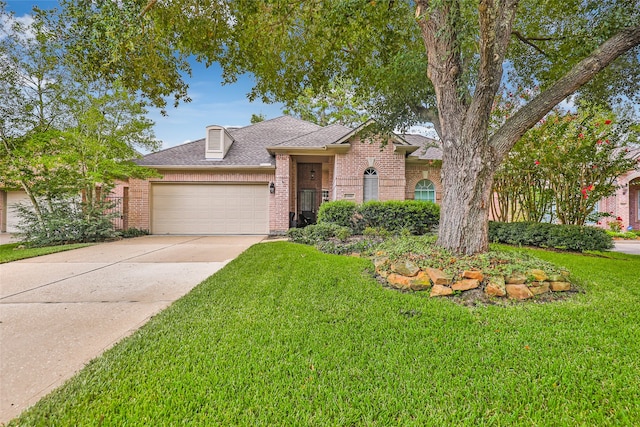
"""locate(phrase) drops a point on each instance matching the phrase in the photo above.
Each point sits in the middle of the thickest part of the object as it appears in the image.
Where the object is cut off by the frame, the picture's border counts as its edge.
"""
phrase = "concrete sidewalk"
(59, 311)
(631, 247)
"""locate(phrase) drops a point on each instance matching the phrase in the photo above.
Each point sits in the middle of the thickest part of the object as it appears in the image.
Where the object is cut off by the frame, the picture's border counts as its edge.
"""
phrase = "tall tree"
(337, 103)
(60, 133)
(416, 61)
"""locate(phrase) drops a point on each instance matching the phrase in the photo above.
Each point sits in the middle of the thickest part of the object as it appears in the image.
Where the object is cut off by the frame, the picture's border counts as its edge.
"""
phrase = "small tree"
(563, 166)
(61, 134)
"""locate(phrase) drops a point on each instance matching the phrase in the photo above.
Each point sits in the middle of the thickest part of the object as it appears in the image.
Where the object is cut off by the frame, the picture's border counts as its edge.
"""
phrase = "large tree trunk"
(467, 178)
(470, 154)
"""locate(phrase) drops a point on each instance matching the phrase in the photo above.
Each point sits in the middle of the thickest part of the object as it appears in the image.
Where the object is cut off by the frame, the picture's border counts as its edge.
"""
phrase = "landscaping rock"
(440, 291)
(421, 282)
(516, 279)
(538, 288)
(556, 278)
(560, 286)
(465, 284)
(438, 277)
(405, 267)
(518, 291)
(398, 281)
(380, 264)
(473, 274)
(538, 275)
(495, 287)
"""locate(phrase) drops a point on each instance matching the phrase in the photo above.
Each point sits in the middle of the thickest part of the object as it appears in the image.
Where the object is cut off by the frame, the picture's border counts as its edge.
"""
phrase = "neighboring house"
(625, 203)
(10, 197)
(266, 177)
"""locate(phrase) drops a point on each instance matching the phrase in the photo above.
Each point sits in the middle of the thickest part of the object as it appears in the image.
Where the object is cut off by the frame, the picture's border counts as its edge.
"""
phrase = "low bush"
(65, 221)
(134, 232)
(312, 234)
(627, 235)
(545, 235)
(412, 216)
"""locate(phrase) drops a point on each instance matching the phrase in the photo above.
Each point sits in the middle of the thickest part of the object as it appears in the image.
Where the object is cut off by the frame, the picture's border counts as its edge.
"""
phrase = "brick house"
(268, 176)
(625, 203)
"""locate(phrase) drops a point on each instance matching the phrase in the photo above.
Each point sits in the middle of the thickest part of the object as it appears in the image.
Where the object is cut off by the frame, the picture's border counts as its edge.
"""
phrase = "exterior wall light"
(313, 174)
(272, 188)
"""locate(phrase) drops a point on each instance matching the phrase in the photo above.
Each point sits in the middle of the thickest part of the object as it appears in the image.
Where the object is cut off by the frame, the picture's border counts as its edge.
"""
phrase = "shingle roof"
(321, 137)
(430, 149)
(251, 142)
(249, 148)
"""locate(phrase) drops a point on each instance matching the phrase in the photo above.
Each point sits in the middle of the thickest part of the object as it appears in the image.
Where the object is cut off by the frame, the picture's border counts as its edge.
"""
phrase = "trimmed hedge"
(415, 216)
(395, 216)
(545, 235)
(340, 212)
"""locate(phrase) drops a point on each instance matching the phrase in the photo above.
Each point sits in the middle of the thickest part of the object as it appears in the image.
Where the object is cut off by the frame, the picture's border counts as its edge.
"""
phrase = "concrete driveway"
(59, 311)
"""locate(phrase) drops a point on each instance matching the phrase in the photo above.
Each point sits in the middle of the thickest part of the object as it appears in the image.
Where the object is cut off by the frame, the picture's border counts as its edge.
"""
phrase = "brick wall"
(140, 190)
(634, 215)
(349, 171)
(279, 222)
(624, 203)
(3, 208)
(416, 173)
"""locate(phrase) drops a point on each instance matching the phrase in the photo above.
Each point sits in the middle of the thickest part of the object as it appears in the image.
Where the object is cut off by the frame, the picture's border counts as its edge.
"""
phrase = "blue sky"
(212, 103)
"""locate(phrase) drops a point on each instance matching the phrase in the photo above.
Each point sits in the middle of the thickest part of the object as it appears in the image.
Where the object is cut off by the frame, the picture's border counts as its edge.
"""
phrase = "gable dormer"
(218, 143)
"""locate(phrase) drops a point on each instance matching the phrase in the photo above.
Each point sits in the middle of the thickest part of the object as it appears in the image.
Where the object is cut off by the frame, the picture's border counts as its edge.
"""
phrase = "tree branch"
(496, 20)
(528, 41)
(525, 118)
(147, 8)
(429, 115)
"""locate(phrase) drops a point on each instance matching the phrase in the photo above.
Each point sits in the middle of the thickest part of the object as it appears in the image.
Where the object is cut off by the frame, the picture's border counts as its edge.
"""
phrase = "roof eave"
(343, 148)
(407, 149)
(212, 167)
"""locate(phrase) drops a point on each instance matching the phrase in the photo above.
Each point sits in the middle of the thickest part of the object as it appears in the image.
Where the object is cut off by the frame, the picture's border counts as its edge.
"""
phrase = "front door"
(309, 192)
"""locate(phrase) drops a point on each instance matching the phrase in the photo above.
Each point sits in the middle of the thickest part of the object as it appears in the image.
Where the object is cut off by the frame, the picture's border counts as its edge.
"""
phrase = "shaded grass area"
(13, 252)
(285, 335)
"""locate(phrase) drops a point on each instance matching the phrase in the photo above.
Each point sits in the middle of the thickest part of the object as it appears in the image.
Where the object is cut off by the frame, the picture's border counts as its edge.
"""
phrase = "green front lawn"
(13, 252)
(285, 335)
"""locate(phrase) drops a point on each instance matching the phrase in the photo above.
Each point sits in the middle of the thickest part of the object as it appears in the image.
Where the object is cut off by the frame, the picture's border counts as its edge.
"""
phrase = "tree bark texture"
(470, 154)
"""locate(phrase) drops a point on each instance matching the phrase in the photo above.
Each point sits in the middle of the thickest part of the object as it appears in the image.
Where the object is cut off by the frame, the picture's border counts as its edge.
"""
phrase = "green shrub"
(376, 232)
(134, 232)
(568, 237)
(394, 216)
(340, 212)
(312, 234)
(65, 221)
(623, 235)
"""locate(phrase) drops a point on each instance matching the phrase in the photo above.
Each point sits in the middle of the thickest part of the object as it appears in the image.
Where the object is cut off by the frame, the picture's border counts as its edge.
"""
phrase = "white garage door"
(209, 209)
(13, 198)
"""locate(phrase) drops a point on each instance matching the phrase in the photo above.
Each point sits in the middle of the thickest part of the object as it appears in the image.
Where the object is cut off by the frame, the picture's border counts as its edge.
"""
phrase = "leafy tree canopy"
(293, 46)
(337, 103)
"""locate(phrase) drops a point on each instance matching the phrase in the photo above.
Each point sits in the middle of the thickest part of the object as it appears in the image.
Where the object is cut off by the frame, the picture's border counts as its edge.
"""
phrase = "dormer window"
(218, 142)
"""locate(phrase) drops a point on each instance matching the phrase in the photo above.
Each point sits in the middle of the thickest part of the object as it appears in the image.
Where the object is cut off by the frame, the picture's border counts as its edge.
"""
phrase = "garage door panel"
(209, 209)
(15, 198)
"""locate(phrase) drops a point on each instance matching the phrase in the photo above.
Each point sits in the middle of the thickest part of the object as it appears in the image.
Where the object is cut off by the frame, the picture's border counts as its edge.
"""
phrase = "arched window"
(370, 184)
(425, 191)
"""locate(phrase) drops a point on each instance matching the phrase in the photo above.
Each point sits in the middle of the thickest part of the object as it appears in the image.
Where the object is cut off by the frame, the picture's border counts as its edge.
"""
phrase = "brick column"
(139, 214)
(280, 200)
